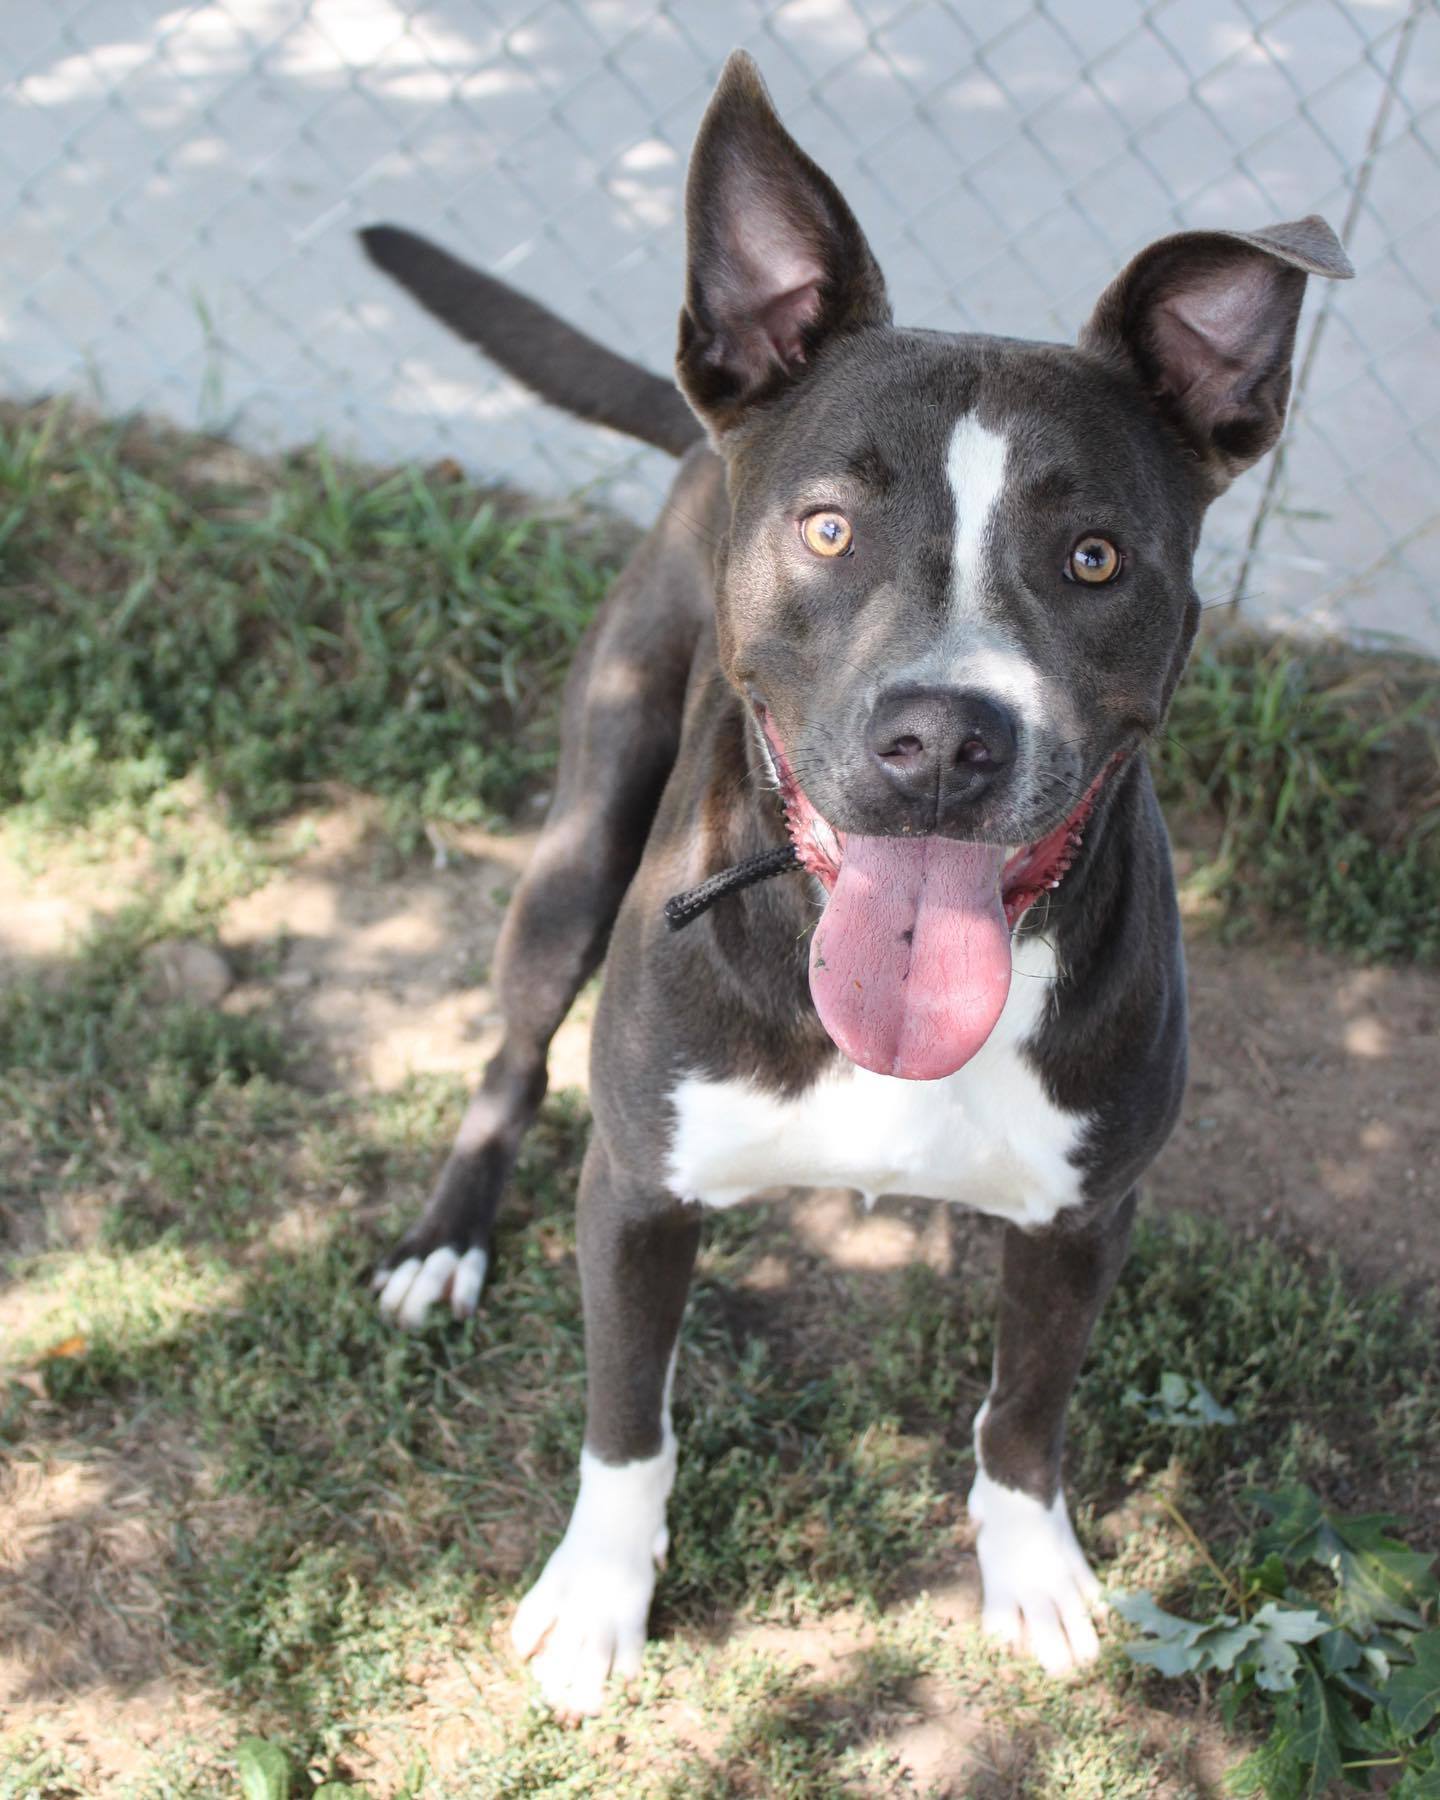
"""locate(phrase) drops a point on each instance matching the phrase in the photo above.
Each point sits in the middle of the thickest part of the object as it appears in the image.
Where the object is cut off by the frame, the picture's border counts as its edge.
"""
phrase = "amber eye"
(1094, 559)
(827, 533)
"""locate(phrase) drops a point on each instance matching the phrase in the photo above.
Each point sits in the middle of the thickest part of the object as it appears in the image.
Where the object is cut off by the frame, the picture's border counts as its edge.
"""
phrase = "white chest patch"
(988, 1136)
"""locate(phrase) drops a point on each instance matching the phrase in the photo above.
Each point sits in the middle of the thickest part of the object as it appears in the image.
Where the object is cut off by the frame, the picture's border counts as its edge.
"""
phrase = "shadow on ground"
(234, 1501)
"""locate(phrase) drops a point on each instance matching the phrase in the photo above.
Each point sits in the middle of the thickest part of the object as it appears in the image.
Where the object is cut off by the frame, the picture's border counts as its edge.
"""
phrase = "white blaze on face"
(980, 651)
(975, 467)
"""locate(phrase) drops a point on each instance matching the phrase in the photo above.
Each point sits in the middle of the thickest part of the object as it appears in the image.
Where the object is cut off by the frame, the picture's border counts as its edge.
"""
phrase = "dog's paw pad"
(1040, 1593)
(408, 1291)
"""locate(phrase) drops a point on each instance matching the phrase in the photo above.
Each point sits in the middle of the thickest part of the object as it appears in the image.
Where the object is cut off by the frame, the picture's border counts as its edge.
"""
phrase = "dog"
(913, 609)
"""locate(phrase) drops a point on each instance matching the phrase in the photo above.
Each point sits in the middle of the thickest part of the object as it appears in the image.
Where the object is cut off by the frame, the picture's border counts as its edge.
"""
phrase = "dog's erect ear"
(776, 263)
(1207, 320)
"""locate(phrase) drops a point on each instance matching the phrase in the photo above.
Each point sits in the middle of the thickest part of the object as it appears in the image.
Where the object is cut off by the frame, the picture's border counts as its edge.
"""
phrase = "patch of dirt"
(87, 1541)
(1311, 1116)
(384, 973)
(1312, 1110)
(45, 912)
(1311, 1113)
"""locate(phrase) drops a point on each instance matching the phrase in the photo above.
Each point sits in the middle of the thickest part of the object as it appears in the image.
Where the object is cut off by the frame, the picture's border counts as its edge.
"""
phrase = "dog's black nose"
(946, 742)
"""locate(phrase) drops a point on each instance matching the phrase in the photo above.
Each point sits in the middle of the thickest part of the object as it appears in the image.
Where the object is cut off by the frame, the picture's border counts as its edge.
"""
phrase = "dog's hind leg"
(622, 716)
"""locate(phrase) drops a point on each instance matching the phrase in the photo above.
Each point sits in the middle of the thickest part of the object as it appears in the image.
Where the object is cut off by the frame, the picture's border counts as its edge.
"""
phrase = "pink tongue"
(910, 963)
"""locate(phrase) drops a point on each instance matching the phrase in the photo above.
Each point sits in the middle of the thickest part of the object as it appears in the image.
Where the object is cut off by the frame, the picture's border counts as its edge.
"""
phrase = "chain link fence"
(182, 182)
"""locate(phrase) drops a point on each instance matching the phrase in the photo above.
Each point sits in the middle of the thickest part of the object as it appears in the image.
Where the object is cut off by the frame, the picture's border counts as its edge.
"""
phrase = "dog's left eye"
(827, 533)
(1094, 559)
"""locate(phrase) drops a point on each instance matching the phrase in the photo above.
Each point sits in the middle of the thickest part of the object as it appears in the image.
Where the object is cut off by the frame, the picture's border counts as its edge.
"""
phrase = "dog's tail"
(548, 356)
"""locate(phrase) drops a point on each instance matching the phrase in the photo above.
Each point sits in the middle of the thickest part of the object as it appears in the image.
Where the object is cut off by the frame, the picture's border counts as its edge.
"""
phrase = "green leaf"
(1318, 1743)
(1222, 1642)
(1418, 1783)
(1167, 1656)
(264, 1770)
(1413, 1692)
(1378, 1580)
(1174, 1646)
(1181, 1402)
(1421, 1779)
(1273, 1768)
(1141, 1609)
(1271, 1575)
(1279, 1630)
(1338, 1651)
(1232, 1698)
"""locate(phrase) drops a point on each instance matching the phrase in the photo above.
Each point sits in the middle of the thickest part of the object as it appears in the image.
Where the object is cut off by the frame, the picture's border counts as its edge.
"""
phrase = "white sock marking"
(427, 1287)
(408, 1293)
(1038, 1588)
(585, 1617)
(397, 1285)
(469, 1280)
(586, 1614)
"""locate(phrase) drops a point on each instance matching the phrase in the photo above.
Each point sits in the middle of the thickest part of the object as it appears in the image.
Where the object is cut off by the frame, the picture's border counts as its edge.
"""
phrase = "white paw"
(1040, 1593)
(408, 1292)
(584, 1619)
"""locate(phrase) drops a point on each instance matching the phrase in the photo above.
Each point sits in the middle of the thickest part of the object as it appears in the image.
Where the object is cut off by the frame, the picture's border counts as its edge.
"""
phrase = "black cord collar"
(680, 909)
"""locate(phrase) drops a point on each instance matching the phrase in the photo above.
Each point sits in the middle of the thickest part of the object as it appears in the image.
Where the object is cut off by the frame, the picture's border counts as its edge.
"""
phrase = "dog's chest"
(988, 1136)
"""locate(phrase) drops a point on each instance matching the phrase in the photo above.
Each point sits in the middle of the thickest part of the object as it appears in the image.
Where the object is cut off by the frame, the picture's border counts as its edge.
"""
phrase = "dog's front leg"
(1039, 1591)
(586, 1614)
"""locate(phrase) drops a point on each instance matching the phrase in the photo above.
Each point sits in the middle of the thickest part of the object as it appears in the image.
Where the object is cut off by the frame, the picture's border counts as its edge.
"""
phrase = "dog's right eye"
(1094, 560)
(827, 533)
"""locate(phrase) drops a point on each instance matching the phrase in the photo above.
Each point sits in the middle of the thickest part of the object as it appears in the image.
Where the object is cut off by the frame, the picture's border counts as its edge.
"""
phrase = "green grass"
(168, 609)
(312, 1526)
(1321, 769)
(354, 1500)
(172, 610)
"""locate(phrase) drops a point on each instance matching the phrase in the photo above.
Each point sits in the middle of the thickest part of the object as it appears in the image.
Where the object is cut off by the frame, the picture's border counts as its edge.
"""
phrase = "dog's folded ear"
(775, 260)
(1207, 320)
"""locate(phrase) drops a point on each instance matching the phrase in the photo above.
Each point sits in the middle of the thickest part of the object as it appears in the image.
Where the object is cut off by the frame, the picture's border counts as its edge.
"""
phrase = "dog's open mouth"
(910, 962)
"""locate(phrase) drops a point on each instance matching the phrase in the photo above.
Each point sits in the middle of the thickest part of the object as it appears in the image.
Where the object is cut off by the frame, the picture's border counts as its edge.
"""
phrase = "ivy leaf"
(1175, 1646)
(1221, 1641)
(1233, 1696)
(1413, 1692)
(1280, 1629)
(1418, 1783)
(1338, 1651)
(1354, 1666)
(1271, 1768)
(1182, 1402)
(263, 1769)
(1141, 1609)
(1378, 1580)
(1271, 1576)
(1325, 1727)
